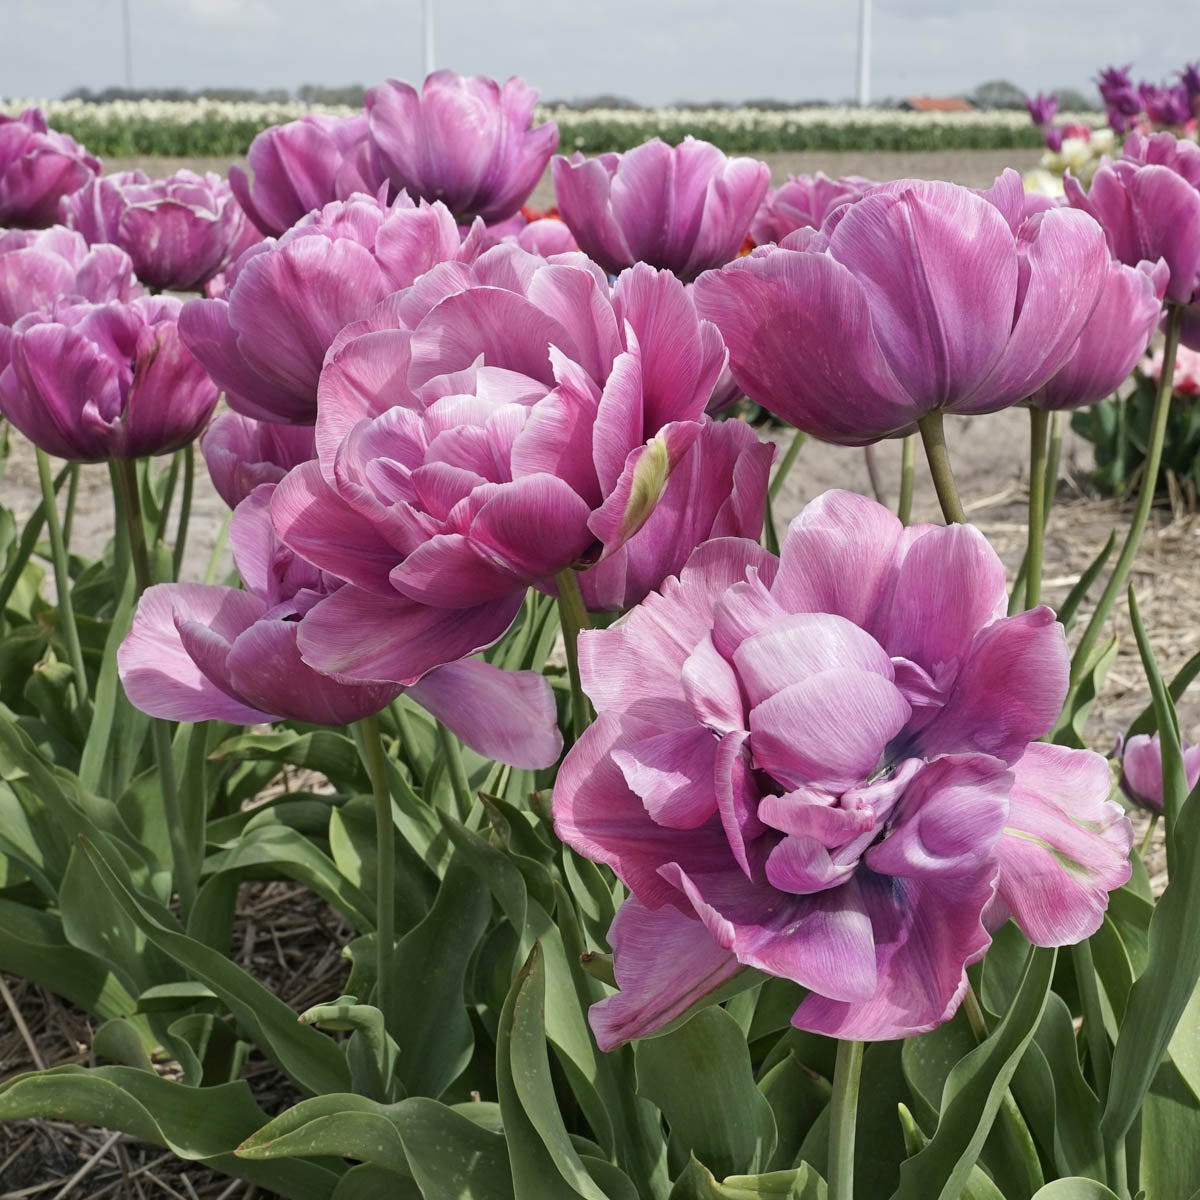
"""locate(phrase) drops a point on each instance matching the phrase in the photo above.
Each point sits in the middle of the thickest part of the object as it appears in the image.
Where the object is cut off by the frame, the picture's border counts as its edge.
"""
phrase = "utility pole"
(864, 53)
(128, 32)
(427, 25)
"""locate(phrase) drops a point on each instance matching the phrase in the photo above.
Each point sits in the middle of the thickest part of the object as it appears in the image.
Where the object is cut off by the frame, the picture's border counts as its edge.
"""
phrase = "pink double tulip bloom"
(89, 382)
(916, 297)
(242, 453)
(683, 208)
(41, 267)
(199, 652)
(825, 767)
(493, 425)
(264, 340)
(302, 166)
(465, 140)
(179, 231)
(803, 202)
(38, 167)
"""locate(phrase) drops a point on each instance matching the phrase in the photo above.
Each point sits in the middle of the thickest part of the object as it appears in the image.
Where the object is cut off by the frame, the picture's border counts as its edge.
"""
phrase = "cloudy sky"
(655, 51)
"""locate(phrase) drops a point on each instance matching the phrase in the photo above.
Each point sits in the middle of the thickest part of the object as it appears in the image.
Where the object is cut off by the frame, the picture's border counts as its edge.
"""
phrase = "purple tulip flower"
(684, 208)
(1171, 105)
(918, 296)
(1148, 202)
(462, 139)
(1142, 770)
(1113, 340)
(242, 453)
(40, 267)
(89, 382)
(803, 203)
(828, 771)
(302, 166)
(1042, 108)
(1189, 77)
(537, 235)
(199, 652)
(264, 342)
(38, 167)
(494, 425)
(179, 231)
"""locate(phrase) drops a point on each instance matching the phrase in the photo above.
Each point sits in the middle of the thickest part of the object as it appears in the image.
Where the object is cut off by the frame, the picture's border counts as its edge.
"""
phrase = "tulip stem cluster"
(1148, 839)
(573, 615)
(843, 1112)
(1137, 526)
(62, 578)
(1039, 428)
(908, 463)
(460, 785)
(374, 759)
(934, 438)
(185, 507)
(184, 856)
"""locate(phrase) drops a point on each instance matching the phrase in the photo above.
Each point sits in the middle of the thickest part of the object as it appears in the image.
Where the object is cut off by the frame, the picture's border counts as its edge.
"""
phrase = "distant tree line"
(994, 94)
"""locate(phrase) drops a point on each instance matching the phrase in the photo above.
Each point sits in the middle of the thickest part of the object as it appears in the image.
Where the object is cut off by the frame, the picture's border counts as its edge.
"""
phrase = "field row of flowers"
(211, 127)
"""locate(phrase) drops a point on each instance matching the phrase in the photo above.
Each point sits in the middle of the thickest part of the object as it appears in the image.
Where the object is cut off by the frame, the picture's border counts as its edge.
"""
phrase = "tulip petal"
(1065, 845)
(673, 774)
(509, 716)
(361, 635)
(665, 961)
(158, 674)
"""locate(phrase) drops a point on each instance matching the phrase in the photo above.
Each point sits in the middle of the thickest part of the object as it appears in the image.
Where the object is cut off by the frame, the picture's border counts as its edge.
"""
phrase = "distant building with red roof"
(936, 104)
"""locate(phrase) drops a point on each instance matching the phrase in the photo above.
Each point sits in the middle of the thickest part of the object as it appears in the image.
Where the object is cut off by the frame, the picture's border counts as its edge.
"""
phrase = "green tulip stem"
(1053, 454)
(62, 578)
(185, 858)
(843, 1110)
(371, 746)
(185, 507)
(1144, 848)
(460, 785)
(574, 617)
(908, 462)
(214, 559)
(1039, 428)
(934, 437)
(69, 511)
(785, 465)
(1137, 527)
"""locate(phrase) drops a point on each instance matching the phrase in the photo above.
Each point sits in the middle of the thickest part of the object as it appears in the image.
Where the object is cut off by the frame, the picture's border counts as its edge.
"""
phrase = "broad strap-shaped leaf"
(444, 1152)
(199, 1124)
(974, 1092)
(978, 1186)
(701, 1078)
(698, 1183)
(544, 1161)
(1170, 1158)
(1161, 993)
(309, 1057)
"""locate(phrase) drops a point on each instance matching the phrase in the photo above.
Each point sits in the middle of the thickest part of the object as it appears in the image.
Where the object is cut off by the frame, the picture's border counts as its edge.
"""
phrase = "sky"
(653, 51)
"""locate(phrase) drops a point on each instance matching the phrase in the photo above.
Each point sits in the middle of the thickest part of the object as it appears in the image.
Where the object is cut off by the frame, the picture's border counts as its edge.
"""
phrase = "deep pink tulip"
(40, 267)
(1113, 340)
(1142, 771)
(242, 453)
(803, 202)
(918, 296)
(179, 231)
(38, 167)
(89, 382)
(1149, 205)
(824, 766)
(199, 652)
(493, 425)
(264, 342)
(462, 139)
(684, 208)
(302, 166)
(538, 235)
